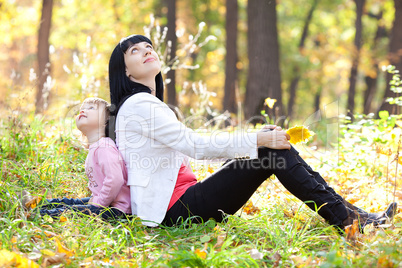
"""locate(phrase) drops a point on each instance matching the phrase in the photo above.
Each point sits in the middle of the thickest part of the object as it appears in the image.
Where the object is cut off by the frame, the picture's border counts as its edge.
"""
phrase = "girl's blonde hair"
(98, 101)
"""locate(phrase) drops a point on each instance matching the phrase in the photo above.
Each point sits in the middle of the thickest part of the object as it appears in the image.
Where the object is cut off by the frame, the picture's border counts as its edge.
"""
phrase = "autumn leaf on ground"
(31, 204)
(12, 259)
(200, 253)
(220, 240)
(250, 209)
(385, 261)
(352, 231)
(56, 259)
(62, 249)
(47, 233)
(210, 169)
(63, 218)
(299, 134)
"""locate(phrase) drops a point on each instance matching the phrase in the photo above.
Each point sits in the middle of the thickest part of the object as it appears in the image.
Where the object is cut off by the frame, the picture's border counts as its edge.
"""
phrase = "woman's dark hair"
(121, 87)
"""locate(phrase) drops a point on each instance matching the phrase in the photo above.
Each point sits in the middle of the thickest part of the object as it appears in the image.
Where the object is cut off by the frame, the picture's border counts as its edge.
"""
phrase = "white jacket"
(154, 144)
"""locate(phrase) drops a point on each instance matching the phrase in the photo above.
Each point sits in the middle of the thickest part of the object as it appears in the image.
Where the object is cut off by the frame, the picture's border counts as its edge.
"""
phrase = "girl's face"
(142, 62)
(91, 117)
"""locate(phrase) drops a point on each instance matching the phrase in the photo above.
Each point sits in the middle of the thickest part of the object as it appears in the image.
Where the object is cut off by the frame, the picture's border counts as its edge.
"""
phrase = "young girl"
(155, 147)
(104, 166)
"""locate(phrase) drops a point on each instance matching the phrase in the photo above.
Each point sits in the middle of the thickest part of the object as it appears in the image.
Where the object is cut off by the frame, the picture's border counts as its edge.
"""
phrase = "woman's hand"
(273, 137)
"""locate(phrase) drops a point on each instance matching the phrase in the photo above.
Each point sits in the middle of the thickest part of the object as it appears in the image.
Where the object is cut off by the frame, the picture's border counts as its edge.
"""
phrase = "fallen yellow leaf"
(12, 259)
(200, 253)
(48, 252)
(62, 249)
(210, 169)
(250, 209)
(56, 259)
(352, 230)
(32, 203)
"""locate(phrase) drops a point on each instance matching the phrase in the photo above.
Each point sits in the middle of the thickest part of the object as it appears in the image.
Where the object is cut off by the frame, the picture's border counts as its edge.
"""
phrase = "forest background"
(305, 55)
(324, 64)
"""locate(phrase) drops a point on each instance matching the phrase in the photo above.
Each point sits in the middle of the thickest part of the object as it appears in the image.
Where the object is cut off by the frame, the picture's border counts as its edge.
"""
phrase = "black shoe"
(381, 218)
(370, 218)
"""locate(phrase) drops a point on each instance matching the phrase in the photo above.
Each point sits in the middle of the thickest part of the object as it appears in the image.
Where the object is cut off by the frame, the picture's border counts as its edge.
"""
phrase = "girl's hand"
(274, 139)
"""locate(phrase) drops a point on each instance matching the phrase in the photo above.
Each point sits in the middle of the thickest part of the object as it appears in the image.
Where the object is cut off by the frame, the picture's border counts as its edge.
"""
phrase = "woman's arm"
(150, 118)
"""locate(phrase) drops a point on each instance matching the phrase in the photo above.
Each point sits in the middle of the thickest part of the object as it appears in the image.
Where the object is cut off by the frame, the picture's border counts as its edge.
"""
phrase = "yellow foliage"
(33, 202)
(384, 151)
(63, 219)
(299, 134)
(48, 252)
(210, 169)
(250, 209)
(12, 259)
(270, 102)
(352, 231)
(62, 249)
(200, 253)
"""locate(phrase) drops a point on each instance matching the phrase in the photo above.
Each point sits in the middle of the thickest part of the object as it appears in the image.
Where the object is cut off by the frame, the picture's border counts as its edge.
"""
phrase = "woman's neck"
(150, 83)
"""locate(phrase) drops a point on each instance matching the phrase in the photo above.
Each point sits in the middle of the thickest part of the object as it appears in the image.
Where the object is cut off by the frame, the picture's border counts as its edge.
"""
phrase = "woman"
(155, 147)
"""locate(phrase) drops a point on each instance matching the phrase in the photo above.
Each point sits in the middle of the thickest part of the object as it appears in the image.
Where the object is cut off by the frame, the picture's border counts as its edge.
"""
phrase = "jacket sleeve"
(147, 116)
(113, 178)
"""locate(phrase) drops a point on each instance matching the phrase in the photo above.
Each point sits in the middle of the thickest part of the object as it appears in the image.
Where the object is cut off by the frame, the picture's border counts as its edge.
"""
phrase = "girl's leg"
(106, 213)
(62, 202)
(230, 187)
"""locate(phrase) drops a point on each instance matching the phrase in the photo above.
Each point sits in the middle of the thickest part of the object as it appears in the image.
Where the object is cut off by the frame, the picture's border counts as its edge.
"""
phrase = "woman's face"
(142, 62)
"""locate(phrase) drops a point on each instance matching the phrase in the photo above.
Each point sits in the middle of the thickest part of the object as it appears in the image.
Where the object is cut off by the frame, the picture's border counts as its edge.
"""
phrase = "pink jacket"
(107, 176)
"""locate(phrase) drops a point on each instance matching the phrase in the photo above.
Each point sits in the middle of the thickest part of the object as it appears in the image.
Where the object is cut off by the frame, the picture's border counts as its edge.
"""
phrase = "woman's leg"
(225, 191)
(231, 186)
(376, 218)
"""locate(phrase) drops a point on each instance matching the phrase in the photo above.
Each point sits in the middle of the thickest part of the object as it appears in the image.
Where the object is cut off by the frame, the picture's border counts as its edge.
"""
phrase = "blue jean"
(56, 206)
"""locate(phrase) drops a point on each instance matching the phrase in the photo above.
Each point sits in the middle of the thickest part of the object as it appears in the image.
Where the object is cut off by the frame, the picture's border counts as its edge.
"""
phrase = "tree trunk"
(229, 100)
(171, 36)
(394, 56)
(296, 70)
(317, 100)
(371, 82)
(355, 56)
(264, 77)
(43, 55)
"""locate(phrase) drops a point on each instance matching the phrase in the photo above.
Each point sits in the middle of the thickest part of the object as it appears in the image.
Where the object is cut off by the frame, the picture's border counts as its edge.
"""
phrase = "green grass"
(45, 159)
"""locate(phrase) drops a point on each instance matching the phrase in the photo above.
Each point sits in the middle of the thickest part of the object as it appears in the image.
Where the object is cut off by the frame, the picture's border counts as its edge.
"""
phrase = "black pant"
(55, 207)
(228, 189)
